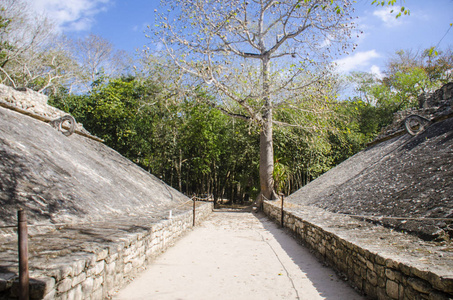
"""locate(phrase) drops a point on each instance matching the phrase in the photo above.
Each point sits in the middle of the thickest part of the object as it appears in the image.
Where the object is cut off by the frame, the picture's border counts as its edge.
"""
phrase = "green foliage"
(343, 128)
(357, 124)
(400, 90)
(111, 111)
(303, 154)
(192, 147)
(409, 74)
(197, 149)
(5, 46)
(300, 156)
(403, 10)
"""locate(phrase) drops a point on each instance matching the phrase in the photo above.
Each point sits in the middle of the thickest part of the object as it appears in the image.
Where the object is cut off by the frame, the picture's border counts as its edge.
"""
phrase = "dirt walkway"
(237, 255)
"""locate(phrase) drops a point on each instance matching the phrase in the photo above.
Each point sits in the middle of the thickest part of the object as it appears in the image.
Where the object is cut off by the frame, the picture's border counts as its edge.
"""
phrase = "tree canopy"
(255, 56)
(242, 104)
(33, 55)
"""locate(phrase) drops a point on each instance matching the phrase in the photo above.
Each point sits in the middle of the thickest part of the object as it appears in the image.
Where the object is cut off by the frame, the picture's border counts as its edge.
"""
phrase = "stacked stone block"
(99, 275)
(373, 273)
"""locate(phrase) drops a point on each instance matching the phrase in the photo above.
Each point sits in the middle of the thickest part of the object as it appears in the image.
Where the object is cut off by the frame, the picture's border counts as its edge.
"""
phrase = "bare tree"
(31, 55)
(255, 55)
(98, 57)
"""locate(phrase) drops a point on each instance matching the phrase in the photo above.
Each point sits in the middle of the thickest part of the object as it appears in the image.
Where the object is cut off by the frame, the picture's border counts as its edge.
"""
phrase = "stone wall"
(379, 262)
(100, 274)
(30, 101)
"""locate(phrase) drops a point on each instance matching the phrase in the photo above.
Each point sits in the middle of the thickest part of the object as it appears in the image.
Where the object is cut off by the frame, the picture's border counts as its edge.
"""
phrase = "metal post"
(23, 256)
(193, 211)
(282, 211)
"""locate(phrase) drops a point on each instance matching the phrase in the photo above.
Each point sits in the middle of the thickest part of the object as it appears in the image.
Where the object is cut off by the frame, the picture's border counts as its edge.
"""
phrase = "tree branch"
(284, 124)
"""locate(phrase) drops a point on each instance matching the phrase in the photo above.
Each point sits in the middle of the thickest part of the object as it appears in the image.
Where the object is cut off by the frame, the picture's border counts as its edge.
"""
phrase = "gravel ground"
(237, 255)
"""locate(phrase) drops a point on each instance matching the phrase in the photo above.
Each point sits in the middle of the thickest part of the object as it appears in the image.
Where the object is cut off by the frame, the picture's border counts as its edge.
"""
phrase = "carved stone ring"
(415, 124)
(65, 124)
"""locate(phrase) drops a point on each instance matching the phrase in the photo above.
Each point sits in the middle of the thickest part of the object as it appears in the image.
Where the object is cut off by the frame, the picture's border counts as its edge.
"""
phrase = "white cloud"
(375, 70)
(70, 15)
(358, 60)
(387, 16)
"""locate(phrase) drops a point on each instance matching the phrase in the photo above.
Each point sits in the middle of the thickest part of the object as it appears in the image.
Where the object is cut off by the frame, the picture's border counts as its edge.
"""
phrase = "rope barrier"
(8, 226)
(194, 198)
(87, 223)
(378, 218)
(190, 200)
(398, 218)
(208, 198)
(58, 224)
(103, 221)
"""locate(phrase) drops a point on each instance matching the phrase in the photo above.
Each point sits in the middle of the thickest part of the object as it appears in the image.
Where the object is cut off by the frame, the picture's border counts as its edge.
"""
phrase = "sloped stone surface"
(60, 179)
(398, 183)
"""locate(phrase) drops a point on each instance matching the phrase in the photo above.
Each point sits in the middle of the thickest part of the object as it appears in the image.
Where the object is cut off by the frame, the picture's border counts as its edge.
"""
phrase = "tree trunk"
(266, 142)
(267, 161)
(187, 183)
(179, 171)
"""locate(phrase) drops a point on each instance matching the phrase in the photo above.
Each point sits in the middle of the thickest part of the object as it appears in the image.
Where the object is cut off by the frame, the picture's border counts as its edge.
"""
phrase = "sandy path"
(236, 255)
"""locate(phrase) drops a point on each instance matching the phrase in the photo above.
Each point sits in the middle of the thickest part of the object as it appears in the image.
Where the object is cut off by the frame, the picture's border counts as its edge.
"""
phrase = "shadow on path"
(237, 255)
(329, 285)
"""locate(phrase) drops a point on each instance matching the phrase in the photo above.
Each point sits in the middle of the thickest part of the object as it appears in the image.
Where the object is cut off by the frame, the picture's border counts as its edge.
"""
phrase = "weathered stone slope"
(405, 182)
(95, 218)
(71, 179)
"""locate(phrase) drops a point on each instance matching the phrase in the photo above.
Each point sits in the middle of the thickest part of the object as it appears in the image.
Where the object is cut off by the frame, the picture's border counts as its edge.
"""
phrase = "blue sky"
(122, 22)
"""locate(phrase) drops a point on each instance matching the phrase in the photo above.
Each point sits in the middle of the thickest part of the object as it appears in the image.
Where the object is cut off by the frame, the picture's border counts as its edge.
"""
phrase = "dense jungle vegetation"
(187, 141)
